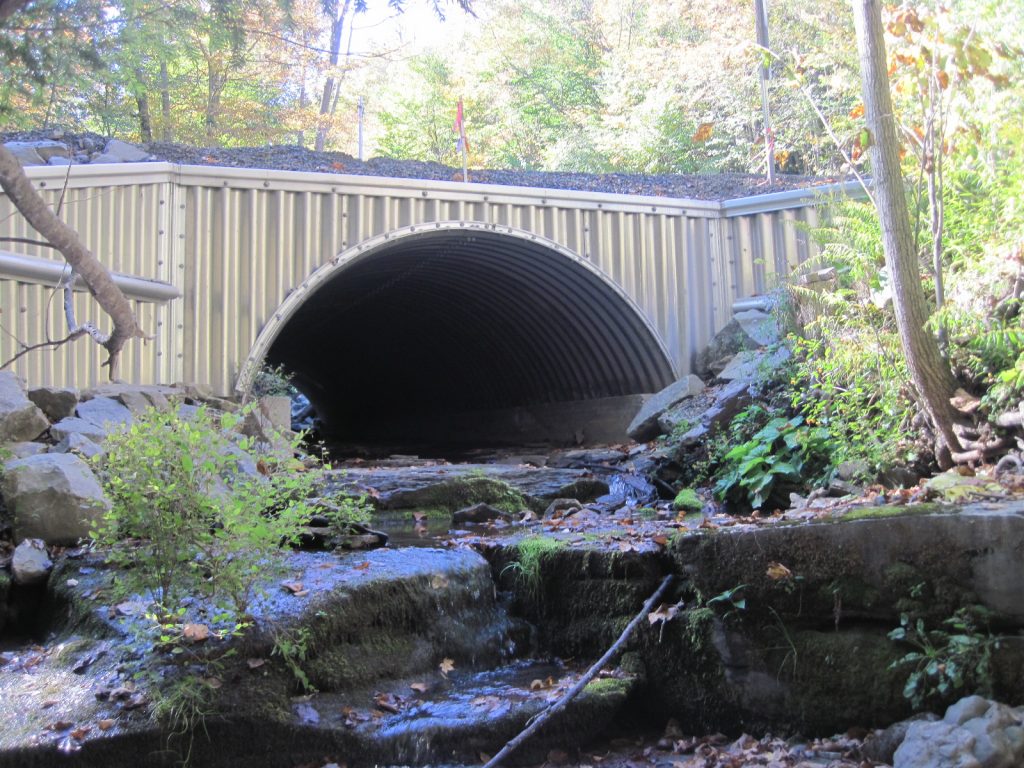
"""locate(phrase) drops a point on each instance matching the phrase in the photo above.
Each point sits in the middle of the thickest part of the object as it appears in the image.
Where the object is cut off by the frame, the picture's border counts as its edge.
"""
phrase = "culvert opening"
(459, 337)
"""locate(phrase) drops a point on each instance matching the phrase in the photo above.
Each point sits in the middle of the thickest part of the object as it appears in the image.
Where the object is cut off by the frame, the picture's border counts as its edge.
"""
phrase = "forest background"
(650, 86)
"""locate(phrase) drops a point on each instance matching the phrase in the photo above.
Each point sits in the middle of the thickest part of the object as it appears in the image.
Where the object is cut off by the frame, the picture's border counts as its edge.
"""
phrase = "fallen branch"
(26, 348)
(590, 674)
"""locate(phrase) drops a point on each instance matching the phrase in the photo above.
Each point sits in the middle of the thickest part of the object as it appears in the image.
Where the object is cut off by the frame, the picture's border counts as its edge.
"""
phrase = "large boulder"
(72, 425)
(20, 418)
(104, 412)
(747, 330)
(56, 402)
(645, 424)
(54, 497)
(975, 733)
(118, 151)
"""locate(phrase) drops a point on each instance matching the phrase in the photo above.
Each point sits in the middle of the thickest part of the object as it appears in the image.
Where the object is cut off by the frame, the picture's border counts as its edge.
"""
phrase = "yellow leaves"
(857, 112)
(419, 687)
(446, 666)
(542, 685)
(703, 133)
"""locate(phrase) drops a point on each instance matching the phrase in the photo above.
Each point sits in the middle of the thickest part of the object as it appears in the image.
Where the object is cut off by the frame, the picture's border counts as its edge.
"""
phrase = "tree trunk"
(216, 87)
(167, 130)
(142, 100)
(326, 99)
(930, 372)
(23, 195)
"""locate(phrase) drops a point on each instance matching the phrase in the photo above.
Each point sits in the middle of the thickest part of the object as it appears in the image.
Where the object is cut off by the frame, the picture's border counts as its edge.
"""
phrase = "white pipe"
(33, 269)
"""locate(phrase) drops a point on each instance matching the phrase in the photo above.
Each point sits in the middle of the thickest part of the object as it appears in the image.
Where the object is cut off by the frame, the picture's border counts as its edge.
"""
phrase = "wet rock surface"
(85, 148)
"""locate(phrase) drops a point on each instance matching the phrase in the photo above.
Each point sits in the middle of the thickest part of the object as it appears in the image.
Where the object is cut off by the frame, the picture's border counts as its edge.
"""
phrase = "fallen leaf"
(49, 703)
(213, 682)
(195, 633)
(778, 572)
(80, 733)
(419, 687)
(106, 724)
(446, 666)
(262, 468)
(664, 612)
(296, 588)
(59, 725)
(389, 702)
(707, 524)
(255, 663)
(363, 566)
(661, 541)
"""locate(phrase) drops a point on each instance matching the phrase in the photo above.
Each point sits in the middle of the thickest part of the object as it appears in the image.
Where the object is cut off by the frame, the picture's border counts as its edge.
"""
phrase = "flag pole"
(761, 22)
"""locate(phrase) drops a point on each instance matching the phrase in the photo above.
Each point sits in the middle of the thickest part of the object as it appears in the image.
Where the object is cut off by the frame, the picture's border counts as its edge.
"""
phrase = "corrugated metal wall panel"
(237, 248)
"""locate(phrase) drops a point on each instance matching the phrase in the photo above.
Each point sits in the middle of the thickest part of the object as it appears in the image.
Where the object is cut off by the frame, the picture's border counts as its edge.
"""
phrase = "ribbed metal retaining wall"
(237, 242)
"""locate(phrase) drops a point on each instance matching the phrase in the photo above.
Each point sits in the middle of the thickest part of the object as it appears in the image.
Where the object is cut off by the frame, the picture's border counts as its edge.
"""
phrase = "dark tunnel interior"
(447, 322)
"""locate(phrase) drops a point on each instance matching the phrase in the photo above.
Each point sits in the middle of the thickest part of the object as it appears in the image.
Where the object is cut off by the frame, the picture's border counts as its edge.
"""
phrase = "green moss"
(646, 513)
(871, 513)
(687, 498)
(609, 686)
(460, 492)
(531, 551)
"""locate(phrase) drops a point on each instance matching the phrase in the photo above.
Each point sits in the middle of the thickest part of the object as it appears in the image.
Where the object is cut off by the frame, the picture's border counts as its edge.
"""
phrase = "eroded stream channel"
(440, 647)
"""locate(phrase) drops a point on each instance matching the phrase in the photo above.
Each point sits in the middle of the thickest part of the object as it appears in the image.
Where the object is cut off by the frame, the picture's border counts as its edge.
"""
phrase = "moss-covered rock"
(460, 492)
(687, 499)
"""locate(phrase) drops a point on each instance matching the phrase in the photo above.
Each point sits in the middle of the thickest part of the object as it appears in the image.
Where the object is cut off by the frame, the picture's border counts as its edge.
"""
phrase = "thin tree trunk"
(929, 371)
(217, 81)
(23, 195)
(167, 130)
(145, 118)
(327, 98)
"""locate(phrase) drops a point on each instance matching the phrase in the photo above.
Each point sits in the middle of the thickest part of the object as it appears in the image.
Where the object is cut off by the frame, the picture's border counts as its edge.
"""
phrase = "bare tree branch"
(97, 279)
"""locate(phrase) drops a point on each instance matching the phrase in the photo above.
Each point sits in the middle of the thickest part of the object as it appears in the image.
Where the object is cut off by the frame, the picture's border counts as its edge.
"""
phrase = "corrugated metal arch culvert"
(497, 316)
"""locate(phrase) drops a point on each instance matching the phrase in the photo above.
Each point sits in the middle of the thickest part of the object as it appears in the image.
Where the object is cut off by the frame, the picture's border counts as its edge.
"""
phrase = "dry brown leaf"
(363, 566)
(195, 633)
(294, 587)
(446, 666)
(106, 724)
(419, 687)
(80, 733)
(255, 663)
(778, 572)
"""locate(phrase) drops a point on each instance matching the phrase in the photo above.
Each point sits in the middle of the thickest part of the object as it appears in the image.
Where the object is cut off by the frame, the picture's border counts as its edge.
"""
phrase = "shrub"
(186, 519)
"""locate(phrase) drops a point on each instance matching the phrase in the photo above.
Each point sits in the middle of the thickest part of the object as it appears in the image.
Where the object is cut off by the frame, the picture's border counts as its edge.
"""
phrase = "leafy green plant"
(273, 381)
(956, 658)
(187, 519)
(293, 649)
(784, 453)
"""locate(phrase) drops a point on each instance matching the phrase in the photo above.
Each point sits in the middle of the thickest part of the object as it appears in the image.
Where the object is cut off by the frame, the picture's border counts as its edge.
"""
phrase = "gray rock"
(56, 402)
(645, 424)
(20, 418)
(750, 365)
(853, 470)
(72, 425)
(975, 732)
(53, 497)
(124, 152)
(31, 564)
(37, 152)
(23, 450)
(78, 443)
(936, 745)
(104, 412)
(278, 410)
(968, 708)
(881, 745)
(759, 326)
(478, 513)
(725, 345)
(562, 508)
(57, 160)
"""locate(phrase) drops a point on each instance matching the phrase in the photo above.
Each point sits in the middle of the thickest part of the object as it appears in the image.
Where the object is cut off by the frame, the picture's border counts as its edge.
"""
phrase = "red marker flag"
(460, 129)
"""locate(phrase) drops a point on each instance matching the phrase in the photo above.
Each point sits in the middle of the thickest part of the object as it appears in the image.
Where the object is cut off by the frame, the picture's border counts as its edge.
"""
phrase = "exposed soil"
(722, 186)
